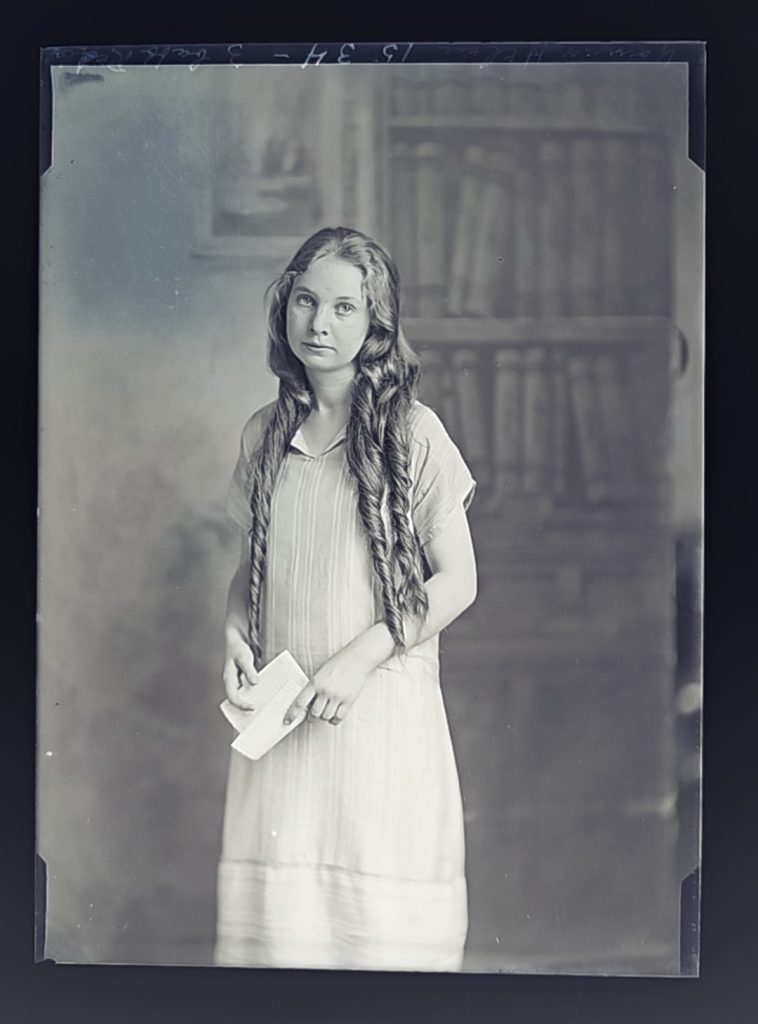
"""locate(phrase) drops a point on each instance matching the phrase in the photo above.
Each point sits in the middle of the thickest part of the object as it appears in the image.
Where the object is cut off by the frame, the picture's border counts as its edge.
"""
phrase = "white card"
(279, 684)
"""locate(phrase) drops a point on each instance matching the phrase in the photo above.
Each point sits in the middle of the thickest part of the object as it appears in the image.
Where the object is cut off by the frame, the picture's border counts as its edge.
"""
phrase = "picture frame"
(270, 173)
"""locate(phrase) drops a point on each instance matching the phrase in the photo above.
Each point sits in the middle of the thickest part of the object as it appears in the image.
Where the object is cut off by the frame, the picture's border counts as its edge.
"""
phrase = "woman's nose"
(319, 321)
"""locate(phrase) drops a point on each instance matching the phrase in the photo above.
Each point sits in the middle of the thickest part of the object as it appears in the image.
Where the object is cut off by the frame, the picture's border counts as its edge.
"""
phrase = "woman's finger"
(339, 715)
(246, 664)
(238, 690)
(245, 697)
(231, 682)
(299, 706)
(330, 709)
(320, 702)
(242, 700)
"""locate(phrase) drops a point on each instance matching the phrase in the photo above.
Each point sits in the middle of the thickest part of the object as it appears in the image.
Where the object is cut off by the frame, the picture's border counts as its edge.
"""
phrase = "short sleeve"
(442, 483)
(238, 493)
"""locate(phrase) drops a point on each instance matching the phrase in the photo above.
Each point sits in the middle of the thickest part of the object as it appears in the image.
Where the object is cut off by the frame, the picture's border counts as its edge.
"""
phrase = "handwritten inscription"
(347, 52)
(117, 58)
(305, 55)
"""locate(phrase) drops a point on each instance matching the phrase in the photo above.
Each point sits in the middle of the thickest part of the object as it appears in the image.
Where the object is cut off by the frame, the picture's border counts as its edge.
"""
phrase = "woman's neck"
(332, 392)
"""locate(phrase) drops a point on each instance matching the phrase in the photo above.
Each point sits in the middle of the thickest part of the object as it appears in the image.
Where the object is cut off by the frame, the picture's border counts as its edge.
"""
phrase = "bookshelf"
(487, 123)
(531, 217)
(555, 194)
(598, 330)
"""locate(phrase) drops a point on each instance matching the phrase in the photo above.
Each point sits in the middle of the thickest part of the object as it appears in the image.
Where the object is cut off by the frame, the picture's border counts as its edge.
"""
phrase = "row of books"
(439, 92)
(547, 227)
(536, 420)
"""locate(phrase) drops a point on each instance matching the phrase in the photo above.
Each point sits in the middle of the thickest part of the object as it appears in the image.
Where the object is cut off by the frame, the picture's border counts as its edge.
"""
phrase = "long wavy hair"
(377, 437)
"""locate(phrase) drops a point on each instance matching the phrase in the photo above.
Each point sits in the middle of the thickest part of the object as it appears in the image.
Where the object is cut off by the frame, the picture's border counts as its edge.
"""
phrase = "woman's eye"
(345, 308)
(304, 300)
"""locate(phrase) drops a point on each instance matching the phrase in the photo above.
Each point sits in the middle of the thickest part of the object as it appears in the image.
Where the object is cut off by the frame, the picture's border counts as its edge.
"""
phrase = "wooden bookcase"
(559, 680)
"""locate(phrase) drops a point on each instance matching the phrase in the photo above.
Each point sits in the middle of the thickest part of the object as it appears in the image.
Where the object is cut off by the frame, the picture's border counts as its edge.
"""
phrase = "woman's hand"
(333, 690)
(240, 675)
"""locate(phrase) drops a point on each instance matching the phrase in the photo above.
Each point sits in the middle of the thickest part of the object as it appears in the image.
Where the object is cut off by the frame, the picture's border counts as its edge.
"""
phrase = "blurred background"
(548, 226)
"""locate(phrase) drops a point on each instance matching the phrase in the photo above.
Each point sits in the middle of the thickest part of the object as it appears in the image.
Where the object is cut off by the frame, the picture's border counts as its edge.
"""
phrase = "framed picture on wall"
(291, 152)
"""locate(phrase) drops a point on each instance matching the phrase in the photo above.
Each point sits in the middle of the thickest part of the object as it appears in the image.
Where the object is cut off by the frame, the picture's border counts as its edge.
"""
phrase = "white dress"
(343, 846)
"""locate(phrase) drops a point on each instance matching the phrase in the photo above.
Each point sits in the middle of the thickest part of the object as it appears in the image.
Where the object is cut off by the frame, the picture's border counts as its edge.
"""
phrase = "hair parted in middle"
(377, 437)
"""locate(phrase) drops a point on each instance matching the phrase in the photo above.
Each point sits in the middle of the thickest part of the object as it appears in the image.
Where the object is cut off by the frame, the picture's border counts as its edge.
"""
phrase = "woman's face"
(327, 315)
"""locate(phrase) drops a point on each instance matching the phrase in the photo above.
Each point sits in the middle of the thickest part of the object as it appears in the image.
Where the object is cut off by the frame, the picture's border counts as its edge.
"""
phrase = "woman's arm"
(451, 589)
(239, 664)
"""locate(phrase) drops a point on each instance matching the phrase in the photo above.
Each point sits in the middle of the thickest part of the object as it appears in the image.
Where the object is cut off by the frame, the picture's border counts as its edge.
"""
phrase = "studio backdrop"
(547, 223)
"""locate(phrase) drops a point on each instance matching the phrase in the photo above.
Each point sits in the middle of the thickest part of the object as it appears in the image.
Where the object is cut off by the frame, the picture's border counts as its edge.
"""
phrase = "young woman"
(343, 846)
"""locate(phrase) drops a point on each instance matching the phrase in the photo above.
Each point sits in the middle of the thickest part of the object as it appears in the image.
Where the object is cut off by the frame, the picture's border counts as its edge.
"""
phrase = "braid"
(378, 453)
(366, 460)
(411, 594)
(289, 412)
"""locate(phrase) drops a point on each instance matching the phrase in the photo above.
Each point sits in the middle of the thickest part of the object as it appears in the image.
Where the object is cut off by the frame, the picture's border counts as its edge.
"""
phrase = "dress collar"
(298, 443)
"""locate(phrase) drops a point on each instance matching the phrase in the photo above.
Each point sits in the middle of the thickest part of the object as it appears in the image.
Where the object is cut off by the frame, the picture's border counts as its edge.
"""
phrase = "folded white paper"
(279, 684)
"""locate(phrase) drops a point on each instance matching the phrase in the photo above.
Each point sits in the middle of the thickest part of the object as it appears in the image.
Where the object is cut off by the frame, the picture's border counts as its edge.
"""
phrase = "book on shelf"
(409, 93)
(527, 99)
(401, 102)
(559, 481)
(618, 427)
(591, 440)
(649, 396)
(464, 228)
(554, 236)
(490, 286)
(450, 410)
(585, 255)
(431, 378)
(471, 383)
(430, 227)
(538, 442)
(635, 103)
(421, 98)
(507, 434)
(621, 103)
(439, 390)
(488, 94)
(449, 93)
(621, 257)
(403, 221)
(609, 102)
(571, 104)
(525, 251)
(653, 223)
